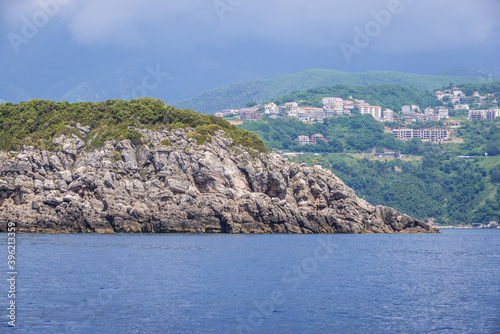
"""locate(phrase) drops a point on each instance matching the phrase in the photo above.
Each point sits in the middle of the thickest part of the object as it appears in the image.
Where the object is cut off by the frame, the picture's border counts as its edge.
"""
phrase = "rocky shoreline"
(172, 184)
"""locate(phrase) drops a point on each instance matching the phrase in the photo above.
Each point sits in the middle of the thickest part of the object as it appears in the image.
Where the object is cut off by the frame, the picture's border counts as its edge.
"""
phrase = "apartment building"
(406, 110)
(432, 135)
(271, 109)
(291, 106)
(309, 114)
(375, 111)
(388, 115)
(303, 140)
(491, 113)
(249, 114)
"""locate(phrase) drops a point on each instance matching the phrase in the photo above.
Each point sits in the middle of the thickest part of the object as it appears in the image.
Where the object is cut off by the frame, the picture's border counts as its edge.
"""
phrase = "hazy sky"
(49, 45)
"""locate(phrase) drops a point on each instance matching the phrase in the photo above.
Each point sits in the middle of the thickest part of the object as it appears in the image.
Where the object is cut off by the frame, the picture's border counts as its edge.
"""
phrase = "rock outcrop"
(180, 186)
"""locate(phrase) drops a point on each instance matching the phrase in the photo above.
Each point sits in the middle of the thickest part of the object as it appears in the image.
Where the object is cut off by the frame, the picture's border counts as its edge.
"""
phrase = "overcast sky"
(202, 44)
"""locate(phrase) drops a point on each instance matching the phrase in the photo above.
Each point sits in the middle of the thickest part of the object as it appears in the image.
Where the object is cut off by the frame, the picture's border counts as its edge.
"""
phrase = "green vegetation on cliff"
(37, 122)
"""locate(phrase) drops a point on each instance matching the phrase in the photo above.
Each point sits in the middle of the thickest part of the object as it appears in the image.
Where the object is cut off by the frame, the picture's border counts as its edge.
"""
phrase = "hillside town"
(461, 101)
(454, 99)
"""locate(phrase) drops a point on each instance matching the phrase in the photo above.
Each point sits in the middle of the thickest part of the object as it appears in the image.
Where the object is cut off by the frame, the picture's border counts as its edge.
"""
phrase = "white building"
(461, 107)
(492, 113)
(309, 114)
(388, 115)
(433, 135)
(272, 109)
(303, 140)
(443, 113)
(375, 111)
(292, 106)
(429, 111)
(406, 110)
(349, 105)
(457, 91)
(477, 114)
(331, 100)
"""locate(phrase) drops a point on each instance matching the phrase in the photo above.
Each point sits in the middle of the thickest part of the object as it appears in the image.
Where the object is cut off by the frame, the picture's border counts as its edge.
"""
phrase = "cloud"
(421, 25)
(13, 12)
(436, 26)
(184, 24)
(132, 22)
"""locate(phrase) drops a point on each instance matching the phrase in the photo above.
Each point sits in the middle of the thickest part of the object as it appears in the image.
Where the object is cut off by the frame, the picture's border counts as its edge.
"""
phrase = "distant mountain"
(73, 89)
(124, 83)
(237, 95)
(466, 72)
(82, 93)
(11, 93)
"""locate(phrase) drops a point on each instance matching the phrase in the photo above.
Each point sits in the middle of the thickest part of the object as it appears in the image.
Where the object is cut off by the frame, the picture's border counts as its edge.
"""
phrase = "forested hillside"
(386, 96)
(237, 95)
(363, 134)
(352, 134)
(489, 87)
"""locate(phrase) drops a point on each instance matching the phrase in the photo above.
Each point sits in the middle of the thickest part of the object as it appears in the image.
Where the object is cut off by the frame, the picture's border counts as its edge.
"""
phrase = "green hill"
(237, 95)
(386, 96)
(36, 122)
(458, 71)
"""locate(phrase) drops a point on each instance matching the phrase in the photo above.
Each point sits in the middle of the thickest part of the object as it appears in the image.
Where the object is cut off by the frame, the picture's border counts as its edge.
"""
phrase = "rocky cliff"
(173, 183)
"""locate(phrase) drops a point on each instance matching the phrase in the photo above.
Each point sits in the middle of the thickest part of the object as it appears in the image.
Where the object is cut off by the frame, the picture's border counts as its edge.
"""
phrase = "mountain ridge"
(238, 94)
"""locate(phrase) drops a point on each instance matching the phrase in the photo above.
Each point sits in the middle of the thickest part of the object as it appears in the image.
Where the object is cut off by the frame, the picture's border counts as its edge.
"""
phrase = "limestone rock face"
(186, 187)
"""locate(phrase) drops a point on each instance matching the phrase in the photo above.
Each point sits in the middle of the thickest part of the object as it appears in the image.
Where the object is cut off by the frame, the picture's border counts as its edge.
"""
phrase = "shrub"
(116, 156)
(200, 138)
(166, 142)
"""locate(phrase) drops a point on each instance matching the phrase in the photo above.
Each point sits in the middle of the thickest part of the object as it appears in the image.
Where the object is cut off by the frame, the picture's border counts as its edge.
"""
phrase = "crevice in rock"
(247, 179)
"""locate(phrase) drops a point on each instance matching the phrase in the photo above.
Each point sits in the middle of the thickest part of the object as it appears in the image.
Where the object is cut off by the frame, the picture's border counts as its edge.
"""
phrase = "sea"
(177, 283)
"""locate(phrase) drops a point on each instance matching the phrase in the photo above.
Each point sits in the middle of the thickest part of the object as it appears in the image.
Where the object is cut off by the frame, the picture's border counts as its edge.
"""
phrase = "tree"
(493, 145)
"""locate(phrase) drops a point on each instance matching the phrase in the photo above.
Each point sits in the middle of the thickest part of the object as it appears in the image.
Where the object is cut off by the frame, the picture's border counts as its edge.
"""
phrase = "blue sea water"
(125, 283)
